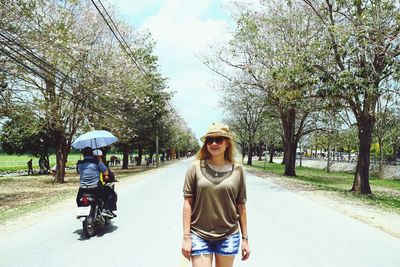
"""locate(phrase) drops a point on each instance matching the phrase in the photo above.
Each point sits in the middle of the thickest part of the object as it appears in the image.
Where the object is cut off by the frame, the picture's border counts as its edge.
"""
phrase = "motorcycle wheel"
(89, 228)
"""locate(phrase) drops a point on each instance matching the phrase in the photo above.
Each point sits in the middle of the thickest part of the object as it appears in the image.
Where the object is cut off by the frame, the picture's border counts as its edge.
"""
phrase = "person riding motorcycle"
(89, 178)
(109, 194)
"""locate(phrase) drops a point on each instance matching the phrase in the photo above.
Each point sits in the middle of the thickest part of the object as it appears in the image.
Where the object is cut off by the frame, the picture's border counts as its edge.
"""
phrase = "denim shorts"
(228, 246)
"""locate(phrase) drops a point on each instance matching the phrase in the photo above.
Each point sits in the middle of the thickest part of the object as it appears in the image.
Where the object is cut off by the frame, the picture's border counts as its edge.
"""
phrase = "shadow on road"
(106, 229)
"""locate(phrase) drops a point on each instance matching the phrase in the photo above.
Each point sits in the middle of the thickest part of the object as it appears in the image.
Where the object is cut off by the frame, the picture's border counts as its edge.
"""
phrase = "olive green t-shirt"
(215, 196)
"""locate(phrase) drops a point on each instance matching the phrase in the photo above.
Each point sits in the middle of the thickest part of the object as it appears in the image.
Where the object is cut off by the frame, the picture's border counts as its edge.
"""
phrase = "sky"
(183, 31)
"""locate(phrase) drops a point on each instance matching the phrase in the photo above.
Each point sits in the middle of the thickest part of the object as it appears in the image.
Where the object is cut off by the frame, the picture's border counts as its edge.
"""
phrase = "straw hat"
(218, 129)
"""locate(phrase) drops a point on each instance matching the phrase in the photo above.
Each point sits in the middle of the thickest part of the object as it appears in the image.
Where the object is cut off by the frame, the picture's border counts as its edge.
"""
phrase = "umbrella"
(94, 139)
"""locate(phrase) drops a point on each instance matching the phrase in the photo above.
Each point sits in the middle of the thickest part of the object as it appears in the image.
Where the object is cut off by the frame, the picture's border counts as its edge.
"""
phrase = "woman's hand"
(187, 247)
(245, 250)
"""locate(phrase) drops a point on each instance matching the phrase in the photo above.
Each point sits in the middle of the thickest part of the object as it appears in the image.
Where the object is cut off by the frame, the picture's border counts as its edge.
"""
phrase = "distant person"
(30, 169)
(42, 169)
(214, 209)
(148, 161)
(54, 170)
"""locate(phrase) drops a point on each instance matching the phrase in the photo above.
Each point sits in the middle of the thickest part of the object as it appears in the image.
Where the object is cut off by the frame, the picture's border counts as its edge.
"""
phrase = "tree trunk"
(361, 179)
(140, 155)
(328, 162)
(125, 157)
(61, 157)
(243, 151)
(260, 151)
(169, 154)
(290, 163)
(271, 153)
(250, 155)
(288, 122)
(47, 163)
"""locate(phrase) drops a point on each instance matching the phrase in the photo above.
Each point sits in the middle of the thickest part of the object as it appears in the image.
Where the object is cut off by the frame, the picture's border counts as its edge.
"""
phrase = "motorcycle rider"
(110, 195)
(89, 178)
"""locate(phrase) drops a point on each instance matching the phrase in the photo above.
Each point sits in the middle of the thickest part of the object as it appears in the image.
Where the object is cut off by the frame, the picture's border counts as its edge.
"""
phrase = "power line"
(72, 96)
(116, 28)
(128, 47)
(123, 42)
(57, 71)
(64, 52)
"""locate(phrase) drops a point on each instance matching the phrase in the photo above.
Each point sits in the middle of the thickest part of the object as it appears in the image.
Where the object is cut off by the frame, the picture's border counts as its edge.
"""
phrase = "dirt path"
(384, 220)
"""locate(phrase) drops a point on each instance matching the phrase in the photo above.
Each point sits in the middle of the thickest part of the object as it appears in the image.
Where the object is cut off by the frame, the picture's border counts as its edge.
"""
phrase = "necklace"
(217, 169)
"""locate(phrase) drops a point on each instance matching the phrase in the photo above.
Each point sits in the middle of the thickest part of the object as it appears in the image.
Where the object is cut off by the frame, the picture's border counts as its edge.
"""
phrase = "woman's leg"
(224, 261)
(203, 260)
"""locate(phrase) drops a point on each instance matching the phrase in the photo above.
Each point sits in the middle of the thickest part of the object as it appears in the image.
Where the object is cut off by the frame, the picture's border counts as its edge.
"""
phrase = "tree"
(274, 49)
(26, 133)
(386, 124)
(270, 133)
(248, 107)
(362, 37)
(65, 62)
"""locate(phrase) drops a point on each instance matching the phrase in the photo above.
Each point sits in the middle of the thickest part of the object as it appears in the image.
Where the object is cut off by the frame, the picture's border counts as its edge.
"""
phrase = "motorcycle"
(89, 213)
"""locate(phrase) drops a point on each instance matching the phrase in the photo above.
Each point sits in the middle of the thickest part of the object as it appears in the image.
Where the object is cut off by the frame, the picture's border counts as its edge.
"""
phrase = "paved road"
(285, 229)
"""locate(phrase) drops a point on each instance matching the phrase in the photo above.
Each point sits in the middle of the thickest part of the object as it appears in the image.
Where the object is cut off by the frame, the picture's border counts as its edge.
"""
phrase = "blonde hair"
(230, 154)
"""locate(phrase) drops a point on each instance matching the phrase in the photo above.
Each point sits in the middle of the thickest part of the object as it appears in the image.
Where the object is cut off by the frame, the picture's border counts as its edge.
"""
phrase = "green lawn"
(386, 193)
(15, 162)
(19, 162)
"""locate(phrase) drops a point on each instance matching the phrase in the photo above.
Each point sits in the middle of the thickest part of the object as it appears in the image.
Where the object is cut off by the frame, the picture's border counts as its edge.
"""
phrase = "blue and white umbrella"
(94, 139)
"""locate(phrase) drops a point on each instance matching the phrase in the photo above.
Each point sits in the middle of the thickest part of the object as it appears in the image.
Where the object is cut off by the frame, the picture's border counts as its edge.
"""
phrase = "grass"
(12, 162)
(19, 162)
(386, 193)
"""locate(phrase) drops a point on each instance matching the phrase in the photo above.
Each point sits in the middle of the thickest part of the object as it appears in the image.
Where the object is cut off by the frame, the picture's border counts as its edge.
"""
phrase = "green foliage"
(78, 77)
(24, 133)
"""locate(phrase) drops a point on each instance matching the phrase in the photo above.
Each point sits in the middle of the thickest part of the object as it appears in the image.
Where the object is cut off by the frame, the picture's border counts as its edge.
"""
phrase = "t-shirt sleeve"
(102, 166)
(242, 195)
(189, 186)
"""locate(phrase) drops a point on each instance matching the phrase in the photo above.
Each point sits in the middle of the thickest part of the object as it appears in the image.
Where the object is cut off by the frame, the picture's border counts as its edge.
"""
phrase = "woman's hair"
(230, 155)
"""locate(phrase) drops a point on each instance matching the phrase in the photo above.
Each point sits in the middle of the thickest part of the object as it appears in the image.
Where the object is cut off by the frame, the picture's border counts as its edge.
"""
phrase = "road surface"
(285, 229)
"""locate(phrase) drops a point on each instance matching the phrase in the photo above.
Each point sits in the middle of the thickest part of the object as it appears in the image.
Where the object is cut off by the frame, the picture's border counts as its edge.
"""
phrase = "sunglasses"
(218, 140)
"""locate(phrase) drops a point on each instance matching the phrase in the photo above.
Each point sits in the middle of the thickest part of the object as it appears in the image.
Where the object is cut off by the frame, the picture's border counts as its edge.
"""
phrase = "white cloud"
(135, 7)
(183, 30)
(179, 8)
(181, 36)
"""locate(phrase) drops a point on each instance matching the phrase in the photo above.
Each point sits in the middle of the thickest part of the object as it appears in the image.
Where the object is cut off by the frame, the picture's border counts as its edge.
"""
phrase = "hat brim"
(229, 136)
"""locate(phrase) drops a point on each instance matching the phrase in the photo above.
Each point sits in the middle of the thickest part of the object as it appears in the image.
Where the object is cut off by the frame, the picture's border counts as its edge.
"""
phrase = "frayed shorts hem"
(228, 246)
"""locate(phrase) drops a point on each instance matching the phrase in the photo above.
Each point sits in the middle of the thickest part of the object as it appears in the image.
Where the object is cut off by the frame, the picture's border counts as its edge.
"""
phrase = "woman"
(214, 203)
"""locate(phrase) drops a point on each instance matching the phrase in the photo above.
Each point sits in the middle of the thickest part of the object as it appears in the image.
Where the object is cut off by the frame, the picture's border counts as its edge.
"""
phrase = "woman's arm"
(187, 214)
(241, 208)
